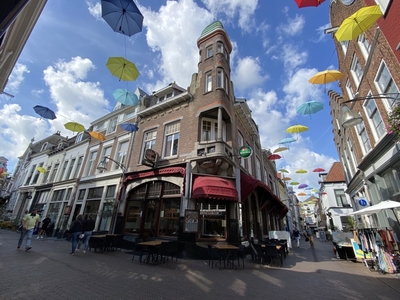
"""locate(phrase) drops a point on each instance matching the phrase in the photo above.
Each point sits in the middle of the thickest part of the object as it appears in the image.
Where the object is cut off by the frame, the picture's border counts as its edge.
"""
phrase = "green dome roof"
(212, 27)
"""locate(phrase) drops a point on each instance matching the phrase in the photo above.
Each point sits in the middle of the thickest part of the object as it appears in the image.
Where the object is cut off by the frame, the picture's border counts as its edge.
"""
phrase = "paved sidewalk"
(47, 271)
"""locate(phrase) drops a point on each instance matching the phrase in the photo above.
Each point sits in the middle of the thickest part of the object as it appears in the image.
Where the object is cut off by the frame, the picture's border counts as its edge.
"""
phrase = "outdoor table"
(225, 250)
(279, 247)
(152, 246)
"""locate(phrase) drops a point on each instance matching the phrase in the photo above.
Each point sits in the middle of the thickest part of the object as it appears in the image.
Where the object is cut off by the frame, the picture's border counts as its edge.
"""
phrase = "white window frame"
(171, 139)
(79, 137)
(349, 89)
(211, 135)
(374, 118)
(385, 84)
(121, 154)
(363, 138)
(209, 52)
(383, 4)
(220, 47)
(149, 141)
(258, 168)
(208, 82)
(90, 163)
(356, 70)
(345, 46)
(53, 174)
(220, 78)
(79, 163)
(112, 125)
(365, 45)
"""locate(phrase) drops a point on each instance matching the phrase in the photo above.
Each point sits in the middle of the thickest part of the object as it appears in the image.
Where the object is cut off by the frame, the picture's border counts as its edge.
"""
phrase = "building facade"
(370, 64)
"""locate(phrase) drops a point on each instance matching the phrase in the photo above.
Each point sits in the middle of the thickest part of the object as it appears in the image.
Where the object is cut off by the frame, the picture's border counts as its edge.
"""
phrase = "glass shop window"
(212, 219)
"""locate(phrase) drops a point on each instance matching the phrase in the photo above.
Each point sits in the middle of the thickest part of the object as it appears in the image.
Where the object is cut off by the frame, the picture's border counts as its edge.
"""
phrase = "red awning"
(249, 184)
(214, 187)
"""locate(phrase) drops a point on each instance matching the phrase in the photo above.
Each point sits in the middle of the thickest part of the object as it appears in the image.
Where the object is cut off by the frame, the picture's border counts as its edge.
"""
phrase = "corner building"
(185, 178)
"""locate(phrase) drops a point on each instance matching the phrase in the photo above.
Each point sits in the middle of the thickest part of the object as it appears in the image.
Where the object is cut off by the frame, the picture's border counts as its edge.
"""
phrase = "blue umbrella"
(45, 112)
(122, 15)
(309, 108)
(287, 140)
(131, 127)
(125, 97)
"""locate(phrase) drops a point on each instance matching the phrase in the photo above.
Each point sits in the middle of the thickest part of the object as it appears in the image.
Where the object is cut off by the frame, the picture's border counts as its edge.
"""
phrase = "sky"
(277, 47)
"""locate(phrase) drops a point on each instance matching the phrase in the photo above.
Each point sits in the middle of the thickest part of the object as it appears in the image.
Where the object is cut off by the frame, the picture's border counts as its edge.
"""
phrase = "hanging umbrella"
(45, 112)
(287, 140)
(294, 183)
(307, 3)
(125, 97)
(41, 169)
(5, 174)
(309, 188)
(315, 191)
(301, 194)
(309, 108)
(319, 170)
(280, 149)
(123, 16)
(301, 171)
(296, 129)
(274, 157)
(358, 23)
(97, 135)
(282, 170)
(131, 127)
(74, 127)
(302, 186)
(325, 77)
(122, 68)
(286, 178)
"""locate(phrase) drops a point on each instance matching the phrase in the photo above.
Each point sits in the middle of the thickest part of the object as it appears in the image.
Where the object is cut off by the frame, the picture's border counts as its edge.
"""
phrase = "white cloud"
(75, 99)
(95, 10)
(248, 73)
(17, 76)
(293, 26)
(245, 9)
(169, 32)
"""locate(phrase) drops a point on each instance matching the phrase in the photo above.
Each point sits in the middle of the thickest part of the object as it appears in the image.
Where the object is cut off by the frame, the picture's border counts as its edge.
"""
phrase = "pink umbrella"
(318, 170)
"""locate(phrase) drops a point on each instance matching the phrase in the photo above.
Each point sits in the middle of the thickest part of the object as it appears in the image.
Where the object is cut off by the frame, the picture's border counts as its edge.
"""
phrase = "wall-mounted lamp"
(350, 118)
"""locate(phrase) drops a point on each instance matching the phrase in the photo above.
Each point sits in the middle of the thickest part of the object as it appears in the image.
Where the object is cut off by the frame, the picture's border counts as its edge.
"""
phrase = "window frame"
(208, 82)
(174, 143)
(148, 143)
(356, 70)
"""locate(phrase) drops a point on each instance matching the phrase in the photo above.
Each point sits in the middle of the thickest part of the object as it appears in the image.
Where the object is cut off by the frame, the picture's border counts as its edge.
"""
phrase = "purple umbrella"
(302, 186)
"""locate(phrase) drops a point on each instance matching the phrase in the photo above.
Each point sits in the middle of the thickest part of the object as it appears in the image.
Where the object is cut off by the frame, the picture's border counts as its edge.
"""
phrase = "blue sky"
(277, 47)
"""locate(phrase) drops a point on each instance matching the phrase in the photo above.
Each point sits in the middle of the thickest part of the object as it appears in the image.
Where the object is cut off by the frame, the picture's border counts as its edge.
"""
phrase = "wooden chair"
(258, 254)
(173, 249)
(139, 250)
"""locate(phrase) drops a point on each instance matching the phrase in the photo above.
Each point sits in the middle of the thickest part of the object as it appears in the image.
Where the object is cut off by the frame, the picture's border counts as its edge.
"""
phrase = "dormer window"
(44, 146)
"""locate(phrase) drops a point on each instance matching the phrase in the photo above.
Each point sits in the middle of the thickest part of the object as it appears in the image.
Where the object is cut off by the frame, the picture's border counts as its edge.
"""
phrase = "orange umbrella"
(286, 178)
(97, 135)
(301, 194)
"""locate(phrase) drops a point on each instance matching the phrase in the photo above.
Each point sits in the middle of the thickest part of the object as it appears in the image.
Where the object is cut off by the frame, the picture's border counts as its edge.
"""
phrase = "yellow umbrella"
(280, 149)
(97, 135)
(297, 129)
(41, 169)
(283, 170)
(122, 68)
(301, 171)
(358, 23)
(5, 174)
(325, 77)
(74, 127)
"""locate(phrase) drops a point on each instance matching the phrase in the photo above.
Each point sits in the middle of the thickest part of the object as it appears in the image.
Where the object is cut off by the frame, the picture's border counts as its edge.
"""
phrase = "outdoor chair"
(258, 254)
(139, 250)
(173, 250)
(241, 254)
(162, 252)
(117, 242)
(272, 254)
(213, 254)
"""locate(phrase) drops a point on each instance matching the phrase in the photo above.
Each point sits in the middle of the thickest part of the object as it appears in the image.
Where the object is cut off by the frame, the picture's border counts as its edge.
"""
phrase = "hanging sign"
(362, 202)
(192, 217)
(245, 151)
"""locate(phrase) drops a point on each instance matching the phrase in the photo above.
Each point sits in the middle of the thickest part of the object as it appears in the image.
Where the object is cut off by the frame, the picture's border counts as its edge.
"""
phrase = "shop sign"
(245, 151)
(191, 220)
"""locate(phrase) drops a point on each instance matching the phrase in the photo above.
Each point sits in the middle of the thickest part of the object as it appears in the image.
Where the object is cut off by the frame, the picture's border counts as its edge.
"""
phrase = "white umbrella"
(374, 209)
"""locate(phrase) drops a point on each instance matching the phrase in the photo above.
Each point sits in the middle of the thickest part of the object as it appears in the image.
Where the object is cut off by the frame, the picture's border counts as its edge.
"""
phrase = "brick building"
(370, 88)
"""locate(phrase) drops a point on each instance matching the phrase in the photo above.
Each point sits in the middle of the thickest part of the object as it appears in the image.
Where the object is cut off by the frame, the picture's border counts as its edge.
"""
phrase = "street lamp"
(102, 166)
(350, 118)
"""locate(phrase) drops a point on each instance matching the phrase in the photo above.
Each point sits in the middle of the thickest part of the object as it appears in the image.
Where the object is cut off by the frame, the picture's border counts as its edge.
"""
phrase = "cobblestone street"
(47, 271)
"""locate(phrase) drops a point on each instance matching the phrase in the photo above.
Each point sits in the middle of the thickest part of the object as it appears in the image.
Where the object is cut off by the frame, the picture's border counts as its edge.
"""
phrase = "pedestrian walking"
(76, 230)
(296, 235)
(45, 223)
(29, 224)
(309, 235)
(88, 227)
